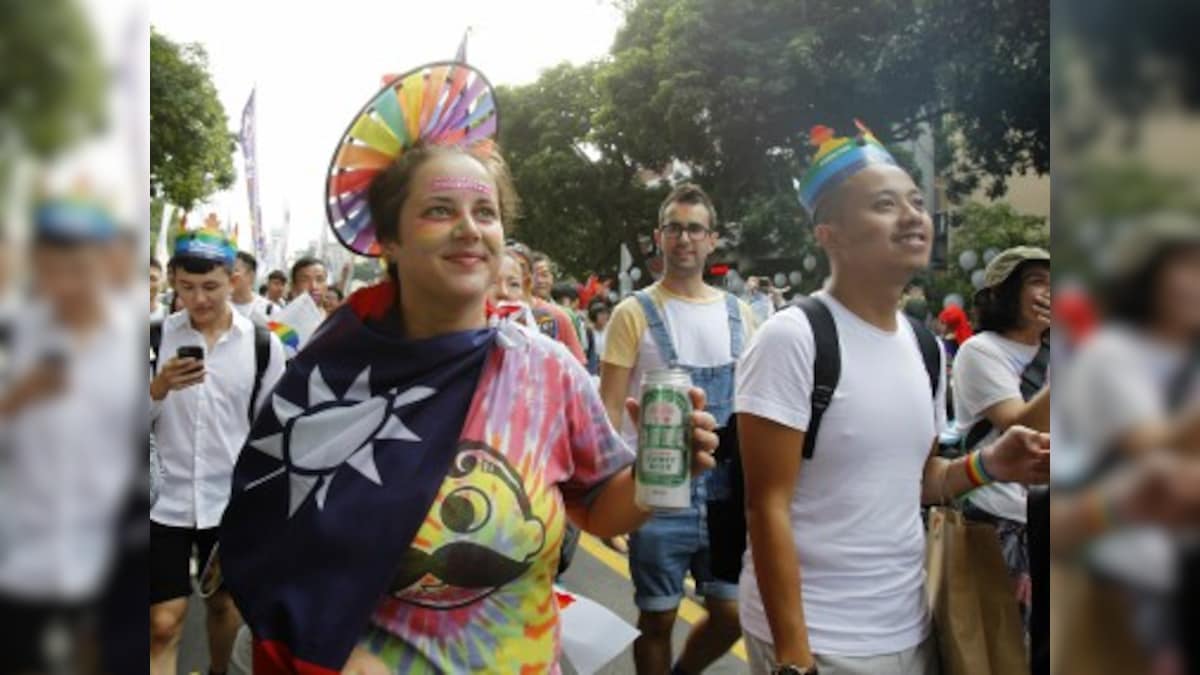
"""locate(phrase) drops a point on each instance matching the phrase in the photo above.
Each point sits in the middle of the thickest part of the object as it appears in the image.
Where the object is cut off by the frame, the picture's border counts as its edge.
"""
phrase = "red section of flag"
(274, 658)
(564, 599)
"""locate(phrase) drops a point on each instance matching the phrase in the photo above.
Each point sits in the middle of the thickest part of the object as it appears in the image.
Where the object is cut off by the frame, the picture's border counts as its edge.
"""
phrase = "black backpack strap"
(262, 356)
(1034, 375)
(156, 331)
(931, 353)
(827, 365)
(1181, 383)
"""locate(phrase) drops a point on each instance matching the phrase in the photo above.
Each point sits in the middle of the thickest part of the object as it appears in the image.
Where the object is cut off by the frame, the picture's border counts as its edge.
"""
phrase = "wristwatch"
(789, 669)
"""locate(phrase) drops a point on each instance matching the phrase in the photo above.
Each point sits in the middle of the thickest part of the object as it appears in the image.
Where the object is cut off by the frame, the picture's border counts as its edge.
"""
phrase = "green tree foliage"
(190, 144)
(580, 201)
(53, 81)
(730, 88)
(53, 78)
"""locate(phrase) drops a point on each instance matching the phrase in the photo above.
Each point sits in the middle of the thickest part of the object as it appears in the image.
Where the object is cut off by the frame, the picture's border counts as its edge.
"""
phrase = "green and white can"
(664, 458)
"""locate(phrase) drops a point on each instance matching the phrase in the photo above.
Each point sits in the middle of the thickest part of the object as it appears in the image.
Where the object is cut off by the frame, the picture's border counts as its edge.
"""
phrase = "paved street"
(597, 572)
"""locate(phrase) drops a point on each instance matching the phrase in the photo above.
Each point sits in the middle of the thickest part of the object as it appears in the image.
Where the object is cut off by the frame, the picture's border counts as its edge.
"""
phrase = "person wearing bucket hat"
(1000, 380)
(1132, 394)
(399, 507)
(834, 576)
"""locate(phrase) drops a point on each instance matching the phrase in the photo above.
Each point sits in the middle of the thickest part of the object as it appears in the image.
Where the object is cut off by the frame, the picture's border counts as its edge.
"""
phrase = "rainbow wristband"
(975, 471)
(1101, 512)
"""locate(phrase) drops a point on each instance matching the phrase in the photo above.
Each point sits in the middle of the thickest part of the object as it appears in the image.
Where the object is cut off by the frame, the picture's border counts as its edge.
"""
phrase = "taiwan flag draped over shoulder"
(337, 475)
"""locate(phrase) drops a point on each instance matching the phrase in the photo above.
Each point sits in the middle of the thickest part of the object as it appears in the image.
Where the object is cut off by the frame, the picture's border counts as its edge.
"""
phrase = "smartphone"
(191, 352)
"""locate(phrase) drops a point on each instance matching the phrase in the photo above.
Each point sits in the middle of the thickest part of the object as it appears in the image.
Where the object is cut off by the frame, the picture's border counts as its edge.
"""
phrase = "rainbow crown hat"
(206, 244)
(837, 159)
(444, 103)
(73, 218)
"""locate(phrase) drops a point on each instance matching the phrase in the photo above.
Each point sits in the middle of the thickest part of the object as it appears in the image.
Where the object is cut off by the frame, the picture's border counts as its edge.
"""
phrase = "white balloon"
(635, 273)
(967, 260)
(780, 280)
(795, 278)
(809, 262)
(952, 299)
(989, 254)
(978, 278)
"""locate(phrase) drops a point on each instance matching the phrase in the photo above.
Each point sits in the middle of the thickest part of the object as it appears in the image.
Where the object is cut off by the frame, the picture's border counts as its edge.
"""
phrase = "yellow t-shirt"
(699, 332)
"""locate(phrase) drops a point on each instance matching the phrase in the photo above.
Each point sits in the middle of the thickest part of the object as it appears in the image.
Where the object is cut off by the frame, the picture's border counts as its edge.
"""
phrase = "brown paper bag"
(975, 613)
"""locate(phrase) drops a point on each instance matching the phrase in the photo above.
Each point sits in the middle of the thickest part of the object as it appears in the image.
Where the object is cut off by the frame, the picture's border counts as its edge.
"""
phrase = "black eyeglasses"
(694, 230)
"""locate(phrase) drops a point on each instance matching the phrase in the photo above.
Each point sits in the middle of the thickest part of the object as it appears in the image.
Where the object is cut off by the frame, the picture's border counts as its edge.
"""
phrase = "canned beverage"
(664, 458)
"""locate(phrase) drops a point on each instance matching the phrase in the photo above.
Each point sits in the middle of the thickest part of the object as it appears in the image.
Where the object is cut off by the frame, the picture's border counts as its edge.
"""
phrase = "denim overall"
(669, 543)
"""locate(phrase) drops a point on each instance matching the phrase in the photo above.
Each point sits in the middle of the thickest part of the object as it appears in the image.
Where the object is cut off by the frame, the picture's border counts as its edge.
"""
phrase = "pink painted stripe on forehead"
(454, 183)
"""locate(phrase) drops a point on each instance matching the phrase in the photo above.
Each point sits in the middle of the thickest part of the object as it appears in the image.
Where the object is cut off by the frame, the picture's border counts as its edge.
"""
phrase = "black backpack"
(262, 355)
(727, 518)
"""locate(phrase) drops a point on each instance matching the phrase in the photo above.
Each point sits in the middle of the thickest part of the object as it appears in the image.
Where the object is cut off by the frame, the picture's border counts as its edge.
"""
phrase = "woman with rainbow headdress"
(400, 503)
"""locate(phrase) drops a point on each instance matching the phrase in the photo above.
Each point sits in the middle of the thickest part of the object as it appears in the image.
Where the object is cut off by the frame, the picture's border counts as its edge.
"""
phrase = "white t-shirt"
(68, 467)
(856, 508)
(256, 310)
(699, 331)
(1116, 382)
(987, 370)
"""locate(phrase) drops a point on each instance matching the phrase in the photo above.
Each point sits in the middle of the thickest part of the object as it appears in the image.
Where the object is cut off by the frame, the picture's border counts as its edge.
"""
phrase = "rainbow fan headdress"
(444, 103)
(837, 159)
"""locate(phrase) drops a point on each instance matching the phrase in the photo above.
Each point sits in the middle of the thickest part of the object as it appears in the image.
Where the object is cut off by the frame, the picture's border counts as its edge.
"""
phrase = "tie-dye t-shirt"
(474, 594)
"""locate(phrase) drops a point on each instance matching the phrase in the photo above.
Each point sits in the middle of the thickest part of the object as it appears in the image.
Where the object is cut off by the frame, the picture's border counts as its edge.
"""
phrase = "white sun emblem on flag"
(333, 432)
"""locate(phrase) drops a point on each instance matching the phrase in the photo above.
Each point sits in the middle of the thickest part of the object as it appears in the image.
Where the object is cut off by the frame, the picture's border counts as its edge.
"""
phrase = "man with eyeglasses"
(679, 321)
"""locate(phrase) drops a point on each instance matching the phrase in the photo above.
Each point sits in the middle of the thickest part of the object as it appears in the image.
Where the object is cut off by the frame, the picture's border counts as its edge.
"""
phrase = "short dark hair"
(306, 261)
(536, 257)
(277, 275)
(597, 308)
(156, 264)
(336, 291)
(193, 265)
(998, 309)
(564, 289)
(249, 261)
(689, 193)
(1132, 298)
(262, 289)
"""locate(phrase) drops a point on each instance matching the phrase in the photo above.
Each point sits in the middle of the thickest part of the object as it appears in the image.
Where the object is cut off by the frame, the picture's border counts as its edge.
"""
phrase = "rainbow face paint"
(459, 183)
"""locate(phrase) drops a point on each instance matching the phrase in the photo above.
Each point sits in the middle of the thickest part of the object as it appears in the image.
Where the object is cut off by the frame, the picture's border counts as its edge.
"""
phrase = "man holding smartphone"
(204, 380)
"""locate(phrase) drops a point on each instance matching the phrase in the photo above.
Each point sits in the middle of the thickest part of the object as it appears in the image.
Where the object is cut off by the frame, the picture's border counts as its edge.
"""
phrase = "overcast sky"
(316, 63)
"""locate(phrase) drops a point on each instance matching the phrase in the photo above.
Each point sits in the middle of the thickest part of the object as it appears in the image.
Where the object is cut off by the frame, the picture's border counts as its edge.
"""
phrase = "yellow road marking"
(689, 610)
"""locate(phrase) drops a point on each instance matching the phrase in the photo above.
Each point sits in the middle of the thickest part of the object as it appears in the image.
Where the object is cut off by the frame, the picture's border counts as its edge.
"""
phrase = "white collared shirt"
(200, 430)
(256, 310)
(68, 462)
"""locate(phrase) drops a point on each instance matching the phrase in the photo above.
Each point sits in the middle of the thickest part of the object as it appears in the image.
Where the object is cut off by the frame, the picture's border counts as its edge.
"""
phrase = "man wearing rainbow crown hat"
(834, 575)
(211, 370)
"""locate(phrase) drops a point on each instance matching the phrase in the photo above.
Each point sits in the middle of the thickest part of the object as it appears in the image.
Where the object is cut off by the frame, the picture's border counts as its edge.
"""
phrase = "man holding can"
(680, 322)
(834, 577)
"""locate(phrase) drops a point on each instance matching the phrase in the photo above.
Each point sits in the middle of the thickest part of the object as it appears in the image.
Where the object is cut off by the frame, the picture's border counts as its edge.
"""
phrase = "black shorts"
(170, 557)
(27, 642)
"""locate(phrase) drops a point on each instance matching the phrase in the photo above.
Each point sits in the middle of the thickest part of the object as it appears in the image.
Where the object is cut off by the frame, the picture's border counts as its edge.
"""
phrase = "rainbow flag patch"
(285, 333)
